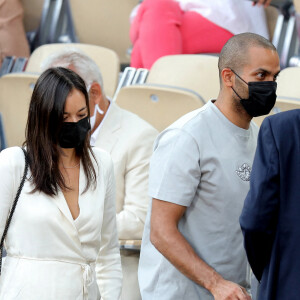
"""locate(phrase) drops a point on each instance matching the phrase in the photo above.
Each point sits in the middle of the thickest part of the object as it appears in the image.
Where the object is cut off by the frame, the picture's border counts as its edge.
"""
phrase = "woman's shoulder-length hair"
(45, 119)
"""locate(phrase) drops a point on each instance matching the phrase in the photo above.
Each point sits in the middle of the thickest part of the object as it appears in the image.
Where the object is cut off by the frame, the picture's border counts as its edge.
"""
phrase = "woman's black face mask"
(262, 97)
(72, 134)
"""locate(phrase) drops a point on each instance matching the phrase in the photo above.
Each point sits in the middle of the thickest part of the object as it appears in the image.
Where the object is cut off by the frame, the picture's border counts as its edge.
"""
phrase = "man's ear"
(228, 78)
(95, 93)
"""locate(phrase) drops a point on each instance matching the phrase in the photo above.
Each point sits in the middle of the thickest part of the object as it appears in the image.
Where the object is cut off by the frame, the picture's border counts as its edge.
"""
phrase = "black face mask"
(262, 97)
(72, 134)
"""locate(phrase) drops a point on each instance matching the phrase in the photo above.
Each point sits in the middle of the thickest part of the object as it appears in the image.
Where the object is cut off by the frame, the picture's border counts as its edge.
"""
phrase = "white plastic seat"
(159, 106)
(288, 83)
(15, 94)
(104, 23)
(195, 72)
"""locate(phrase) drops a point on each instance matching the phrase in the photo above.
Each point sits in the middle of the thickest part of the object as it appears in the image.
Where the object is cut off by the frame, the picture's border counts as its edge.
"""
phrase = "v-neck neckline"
(79, 193)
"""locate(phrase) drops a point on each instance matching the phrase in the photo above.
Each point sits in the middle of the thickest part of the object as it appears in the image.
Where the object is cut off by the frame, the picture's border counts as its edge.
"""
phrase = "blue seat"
(2, 134)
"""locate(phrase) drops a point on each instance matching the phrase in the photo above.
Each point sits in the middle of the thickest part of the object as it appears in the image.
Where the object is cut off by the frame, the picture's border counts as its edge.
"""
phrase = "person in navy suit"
(270, 219)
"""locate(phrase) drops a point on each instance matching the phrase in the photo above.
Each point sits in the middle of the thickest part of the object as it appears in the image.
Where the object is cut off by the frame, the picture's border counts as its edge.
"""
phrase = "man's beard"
(236, 104)
(236, 101)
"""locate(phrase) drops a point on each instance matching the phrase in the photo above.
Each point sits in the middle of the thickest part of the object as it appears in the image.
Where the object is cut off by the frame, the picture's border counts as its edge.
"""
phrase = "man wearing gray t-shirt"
(199, 177)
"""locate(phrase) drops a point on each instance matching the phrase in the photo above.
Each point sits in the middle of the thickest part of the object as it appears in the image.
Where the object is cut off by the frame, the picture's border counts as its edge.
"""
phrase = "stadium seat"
(272, 14)
(106, 59)
(104, 23)
(15, 93)
(288, 83)
(195, 72)
(285, 34)
(159, 106)
(131, 76)
(259, 120)
(33, 10)
(284, 105)
(32, 14)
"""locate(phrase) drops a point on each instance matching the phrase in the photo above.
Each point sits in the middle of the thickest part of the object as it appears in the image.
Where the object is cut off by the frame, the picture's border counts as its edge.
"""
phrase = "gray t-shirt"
(203, 162)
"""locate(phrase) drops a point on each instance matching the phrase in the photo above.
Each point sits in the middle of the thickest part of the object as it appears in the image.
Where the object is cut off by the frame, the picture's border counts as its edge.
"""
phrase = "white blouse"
(50, 256)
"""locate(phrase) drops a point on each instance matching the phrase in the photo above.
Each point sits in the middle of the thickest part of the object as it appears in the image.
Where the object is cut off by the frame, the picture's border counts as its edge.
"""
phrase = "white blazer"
(129, 140)
(50, 255)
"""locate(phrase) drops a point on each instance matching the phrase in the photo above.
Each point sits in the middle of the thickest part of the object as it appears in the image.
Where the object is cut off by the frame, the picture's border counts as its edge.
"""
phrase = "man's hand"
(265, 3)
(227, 290)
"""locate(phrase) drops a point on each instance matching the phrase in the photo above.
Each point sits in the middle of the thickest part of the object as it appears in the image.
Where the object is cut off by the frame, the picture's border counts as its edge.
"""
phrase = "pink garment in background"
(13, 39)
(167, 27)
(161, 28)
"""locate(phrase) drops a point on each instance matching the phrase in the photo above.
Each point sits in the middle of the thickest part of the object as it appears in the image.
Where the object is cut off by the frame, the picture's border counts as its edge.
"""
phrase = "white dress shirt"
(97, 130)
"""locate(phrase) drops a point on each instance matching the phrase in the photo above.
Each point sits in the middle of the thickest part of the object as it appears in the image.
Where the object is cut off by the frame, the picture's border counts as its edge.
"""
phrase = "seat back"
(271, 16)
(131, 76)
(288, 83)
(104, 23)
(159, 106)
(15, 94)
(32, 14)
(106, 59)
(258, 120)
(284, 105)
(195, 72)
(297, 5)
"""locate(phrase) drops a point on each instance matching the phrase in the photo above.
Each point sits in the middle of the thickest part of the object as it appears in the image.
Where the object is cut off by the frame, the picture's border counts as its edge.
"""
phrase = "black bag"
(13, 207)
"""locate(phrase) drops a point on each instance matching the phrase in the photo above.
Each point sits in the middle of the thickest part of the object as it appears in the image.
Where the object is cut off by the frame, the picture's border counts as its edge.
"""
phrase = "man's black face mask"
(262, 97)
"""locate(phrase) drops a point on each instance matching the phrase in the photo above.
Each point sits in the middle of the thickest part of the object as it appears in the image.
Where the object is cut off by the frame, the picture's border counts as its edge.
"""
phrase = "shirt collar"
(95, 134)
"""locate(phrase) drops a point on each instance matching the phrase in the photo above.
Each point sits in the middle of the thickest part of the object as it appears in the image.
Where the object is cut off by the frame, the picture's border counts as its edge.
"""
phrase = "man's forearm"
(178, 251)
(165, 236)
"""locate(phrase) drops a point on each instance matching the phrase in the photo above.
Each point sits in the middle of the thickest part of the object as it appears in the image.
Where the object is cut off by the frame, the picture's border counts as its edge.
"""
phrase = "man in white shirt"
(129, 140)
(199, 176)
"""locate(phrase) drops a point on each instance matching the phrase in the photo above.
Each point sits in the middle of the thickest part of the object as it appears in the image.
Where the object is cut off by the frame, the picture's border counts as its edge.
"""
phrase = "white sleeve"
(8, 178)
(108, 269)
(131, 219)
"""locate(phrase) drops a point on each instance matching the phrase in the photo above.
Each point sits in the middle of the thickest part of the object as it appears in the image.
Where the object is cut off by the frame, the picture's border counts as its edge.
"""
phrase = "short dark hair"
(234, 54)
(45, 119)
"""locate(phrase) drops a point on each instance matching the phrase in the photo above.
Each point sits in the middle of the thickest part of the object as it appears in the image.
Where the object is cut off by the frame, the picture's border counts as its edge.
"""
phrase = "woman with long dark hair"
(62, 240)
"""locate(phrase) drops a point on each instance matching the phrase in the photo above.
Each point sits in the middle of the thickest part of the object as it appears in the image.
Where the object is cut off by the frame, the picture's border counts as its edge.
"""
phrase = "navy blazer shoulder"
(270, 219)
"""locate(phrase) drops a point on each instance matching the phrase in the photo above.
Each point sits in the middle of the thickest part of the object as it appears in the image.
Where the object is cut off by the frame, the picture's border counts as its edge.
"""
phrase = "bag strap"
(13, 206)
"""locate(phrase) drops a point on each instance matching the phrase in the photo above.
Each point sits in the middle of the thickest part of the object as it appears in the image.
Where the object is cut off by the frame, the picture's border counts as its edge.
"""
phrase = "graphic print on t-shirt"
(244, 172)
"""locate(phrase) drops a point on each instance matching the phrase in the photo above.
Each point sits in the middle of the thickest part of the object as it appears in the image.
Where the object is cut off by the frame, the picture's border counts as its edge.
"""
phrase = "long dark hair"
(45, 119)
